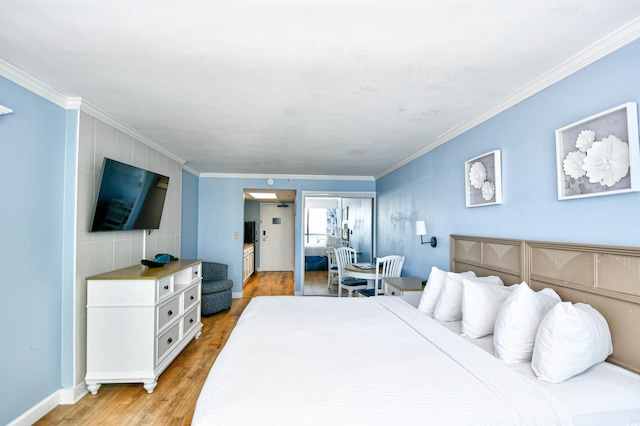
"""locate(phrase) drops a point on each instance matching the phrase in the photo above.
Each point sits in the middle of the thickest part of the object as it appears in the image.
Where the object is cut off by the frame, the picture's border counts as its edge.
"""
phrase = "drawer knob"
(169, 340)
(170, 313)
(166, 287)
(190, 320)
(195, 273)
(192, 297)
(393, 293)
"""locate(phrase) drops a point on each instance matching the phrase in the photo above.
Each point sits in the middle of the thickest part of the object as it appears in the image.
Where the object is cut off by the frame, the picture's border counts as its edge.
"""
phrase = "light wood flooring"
(174, 399)
(315, 284)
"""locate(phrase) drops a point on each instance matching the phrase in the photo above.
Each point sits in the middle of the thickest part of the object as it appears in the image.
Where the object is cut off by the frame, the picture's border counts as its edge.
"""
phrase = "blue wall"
(32, 176)
(221, 214)
(432, 187)
(251, 211)
(189, 237)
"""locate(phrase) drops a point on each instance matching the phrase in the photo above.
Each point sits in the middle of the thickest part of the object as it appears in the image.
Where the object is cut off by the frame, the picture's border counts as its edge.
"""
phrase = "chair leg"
(330, 278)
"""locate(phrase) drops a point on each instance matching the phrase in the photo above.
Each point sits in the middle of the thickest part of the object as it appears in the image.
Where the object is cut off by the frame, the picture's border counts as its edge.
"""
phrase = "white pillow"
(570, 339)
(517, 322)
(432, 290)
(480, 306)
(449, 307)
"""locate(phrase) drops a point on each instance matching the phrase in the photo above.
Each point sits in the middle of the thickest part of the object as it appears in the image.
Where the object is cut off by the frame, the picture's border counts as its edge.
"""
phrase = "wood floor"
(174, 399)
(315, 284)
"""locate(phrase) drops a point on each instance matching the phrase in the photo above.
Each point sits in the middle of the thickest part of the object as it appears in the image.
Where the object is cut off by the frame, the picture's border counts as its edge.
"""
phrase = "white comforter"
(361, 361)
(317, 249)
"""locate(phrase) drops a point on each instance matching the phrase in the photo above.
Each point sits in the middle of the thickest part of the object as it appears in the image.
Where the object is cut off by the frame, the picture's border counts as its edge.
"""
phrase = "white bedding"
(361, 361)
(603, 395)
(315, 249)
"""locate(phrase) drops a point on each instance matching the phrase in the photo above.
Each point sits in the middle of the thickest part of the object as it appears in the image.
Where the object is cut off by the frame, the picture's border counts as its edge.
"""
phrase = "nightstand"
(400, 286)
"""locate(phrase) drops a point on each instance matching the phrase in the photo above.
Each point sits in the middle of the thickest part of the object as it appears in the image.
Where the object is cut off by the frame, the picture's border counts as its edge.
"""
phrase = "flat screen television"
(128, 198)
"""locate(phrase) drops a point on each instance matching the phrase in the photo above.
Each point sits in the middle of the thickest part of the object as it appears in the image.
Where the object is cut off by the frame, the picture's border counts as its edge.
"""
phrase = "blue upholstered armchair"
(216, 288)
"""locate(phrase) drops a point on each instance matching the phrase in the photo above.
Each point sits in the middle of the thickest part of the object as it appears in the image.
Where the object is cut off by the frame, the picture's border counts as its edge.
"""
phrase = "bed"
(315, 251)
(370, 361)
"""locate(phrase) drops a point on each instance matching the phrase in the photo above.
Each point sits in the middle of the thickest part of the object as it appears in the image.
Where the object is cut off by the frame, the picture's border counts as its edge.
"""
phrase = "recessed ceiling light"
(263, 195)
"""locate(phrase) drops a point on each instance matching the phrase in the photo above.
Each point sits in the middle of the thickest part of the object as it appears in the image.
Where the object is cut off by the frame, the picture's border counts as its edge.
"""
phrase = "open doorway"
(266, 238)
(333, 220)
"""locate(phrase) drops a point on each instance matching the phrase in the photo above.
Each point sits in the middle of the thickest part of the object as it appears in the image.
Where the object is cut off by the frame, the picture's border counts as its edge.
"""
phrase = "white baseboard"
(237, 294)
(69, 396)
(65, 396)
(38, 411)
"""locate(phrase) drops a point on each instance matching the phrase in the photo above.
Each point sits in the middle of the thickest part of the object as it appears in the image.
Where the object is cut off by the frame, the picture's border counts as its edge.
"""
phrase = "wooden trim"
(606, 277)
(140, 272)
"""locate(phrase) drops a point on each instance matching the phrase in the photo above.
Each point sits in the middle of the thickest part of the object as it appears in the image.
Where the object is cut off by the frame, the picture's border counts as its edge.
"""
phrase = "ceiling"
(301, 87)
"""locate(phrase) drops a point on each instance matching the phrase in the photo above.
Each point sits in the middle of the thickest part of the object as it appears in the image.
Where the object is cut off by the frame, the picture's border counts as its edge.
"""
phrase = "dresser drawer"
(190, 320)
(191, 296)
(167, 341)
(392, 291)
(196, 272)
(168, 312)
(165, 287)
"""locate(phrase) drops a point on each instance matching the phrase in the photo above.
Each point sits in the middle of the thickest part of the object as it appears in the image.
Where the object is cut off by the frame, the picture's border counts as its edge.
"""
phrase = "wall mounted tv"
(128, 198)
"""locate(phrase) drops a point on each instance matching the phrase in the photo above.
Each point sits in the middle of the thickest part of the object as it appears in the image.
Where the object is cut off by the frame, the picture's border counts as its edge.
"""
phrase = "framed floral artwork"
(483, 180)
(599, 155)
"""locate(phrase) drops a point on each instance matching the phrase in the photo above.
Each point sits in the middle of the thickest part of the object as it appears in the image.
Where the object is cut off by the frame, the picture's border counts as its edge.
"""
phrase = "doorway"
(332, 220)
(254, 198)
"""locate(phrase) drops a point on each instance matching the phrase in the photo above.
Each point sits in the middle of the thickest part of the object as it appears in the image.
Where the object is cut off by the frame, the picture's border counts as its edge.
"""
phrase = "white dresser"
(139, 319)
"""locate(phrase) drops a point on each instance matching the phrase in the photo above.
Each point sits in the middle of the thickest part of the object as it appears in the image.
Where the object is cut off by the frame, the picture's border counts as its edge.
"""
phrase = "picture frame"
(599, 155)
(483, 180)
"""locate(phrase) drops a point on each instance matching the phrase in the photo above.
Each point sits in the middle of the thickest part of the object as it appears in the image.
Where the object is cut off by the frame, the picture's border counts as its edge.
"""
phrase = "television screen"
(128, 198)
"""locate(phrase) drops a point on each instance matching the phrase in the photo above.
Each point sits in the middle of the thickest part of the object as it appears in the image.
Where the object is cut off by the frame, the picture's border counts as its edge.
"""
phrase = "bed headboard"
(605, 277)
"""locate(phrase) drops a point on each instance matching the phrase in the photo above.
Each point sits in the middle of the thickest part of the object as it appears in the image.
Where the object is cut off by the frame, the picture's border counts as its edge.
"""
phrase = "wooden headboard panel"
(605, 277)
(488, 256)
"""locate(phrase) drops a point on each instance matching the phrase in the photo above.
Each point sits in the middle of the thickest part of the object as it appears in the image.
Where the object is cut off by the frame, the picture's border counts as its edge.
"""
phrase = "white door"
(276, 239)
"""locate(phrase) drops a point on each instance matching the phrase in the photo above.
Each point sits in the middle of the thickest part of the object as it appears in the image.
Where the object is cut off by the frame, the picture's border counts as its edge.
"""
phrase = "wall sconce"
(421, 229)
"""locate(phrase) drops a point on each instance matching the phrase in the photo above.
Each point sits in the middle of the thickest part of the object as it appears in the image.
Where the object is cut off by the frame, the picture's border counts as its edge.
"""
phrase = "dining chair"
(386, 267)
(346, 256)
(332, 269)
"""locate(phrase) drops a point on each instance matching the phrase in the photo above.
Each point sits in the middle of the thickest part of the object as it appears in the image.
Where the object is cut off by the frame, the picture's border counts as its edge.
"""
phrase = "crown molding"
(10, 72)
(74, 103)
(609, 44)
(619, 38)
(34, 85)
(107, 118)
(292, 177)
(190, 170)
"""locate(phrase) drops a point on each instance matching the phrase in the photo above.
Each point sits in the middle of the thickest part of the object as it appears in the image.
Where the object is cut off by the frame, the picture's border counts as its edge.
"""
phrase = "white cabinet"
(139, 319)
(248, 262)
